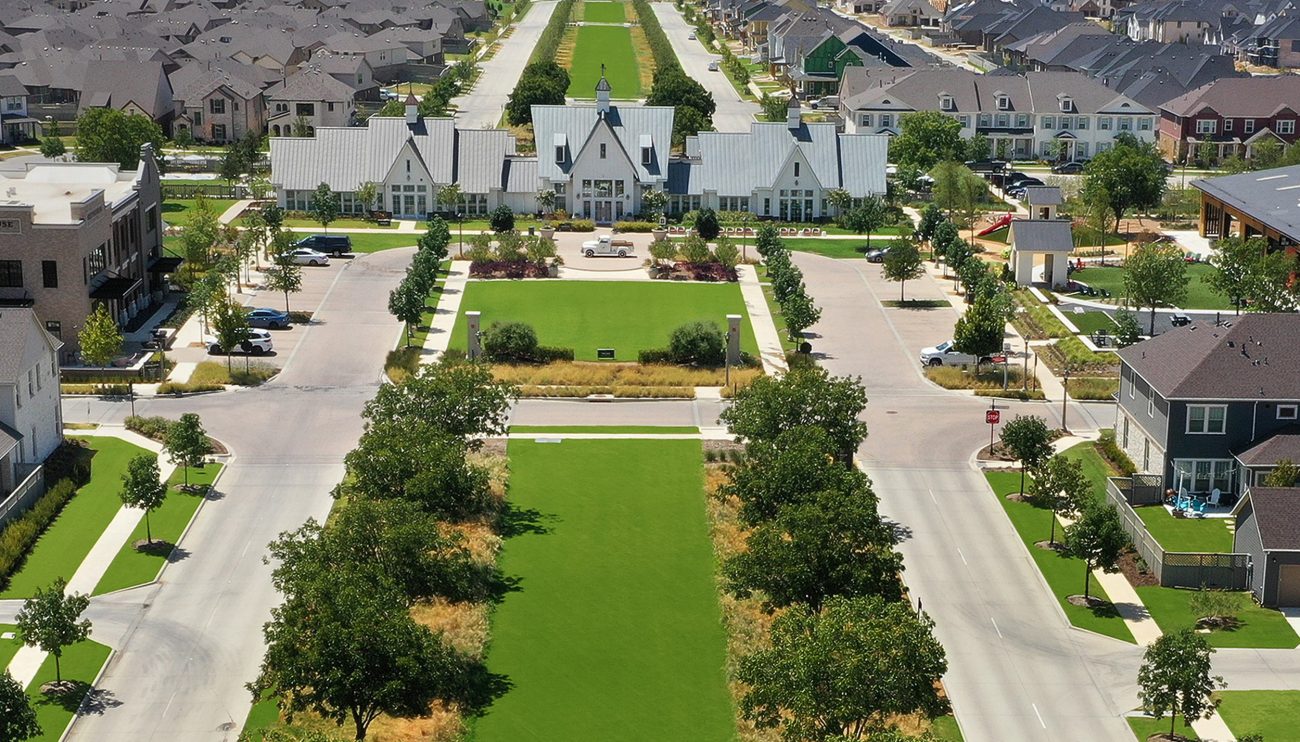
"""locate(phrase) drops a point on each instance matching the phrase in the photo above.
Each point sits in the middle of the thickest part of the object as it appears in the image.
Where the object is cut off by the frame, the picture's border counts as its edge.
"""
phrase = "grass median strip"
(133, 567)
(80, 664)
(8, 647)
(1257, 627)
(603, 12)
(615, 631)
(1270, 713)
(610, 46)
(65, 544)
(604, 429)
(1064, 575)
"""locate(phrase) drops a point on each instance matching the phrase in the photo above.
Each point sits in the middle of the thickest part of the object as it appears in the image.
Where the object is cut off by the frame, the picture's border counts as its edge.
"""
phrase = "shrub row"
(20, 535)
(189, 387)
(635, 226)
(548, 44)
(575, 225)
(625, 392)
(507, 269)
(402, 364)
(796, 305)
(153, 427)
(99, 390)
(1072, 353)
(1115, 455)
(516, 342)
(624, 374)
(660, 48)
(710, 272)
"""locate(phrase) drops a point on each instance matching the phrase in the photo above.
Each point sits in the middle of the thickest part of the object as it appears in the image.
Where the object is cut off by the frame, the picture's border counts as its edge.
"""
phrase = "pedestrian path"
(760, 318)
(28, 660)
(444, 317)
(232, 213)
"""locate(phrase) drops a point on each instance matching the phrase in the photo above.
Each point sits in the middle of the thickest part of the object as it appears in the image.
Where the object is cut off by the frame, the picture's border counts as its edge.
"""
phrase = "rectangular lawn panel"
(132, 567)
(80, 664)
(658, 429)
(178, 211)
(1090, 322)
(1259, 627)
(627, 316)
(612, 47)
(1145, 726)
(1186, 534)
(838, 248)
(1274, 714)
(614, 630)
(603, 12)
(1064, 575)
(1199, 293)
(364, 242)
(63, 546)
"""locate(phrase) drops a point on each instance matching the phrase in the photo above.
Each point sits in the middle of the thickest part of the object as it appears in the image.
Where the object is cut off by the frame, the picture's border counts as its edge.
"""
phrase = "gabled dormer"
(946, 101)
(1002, 100)
(1065, 103)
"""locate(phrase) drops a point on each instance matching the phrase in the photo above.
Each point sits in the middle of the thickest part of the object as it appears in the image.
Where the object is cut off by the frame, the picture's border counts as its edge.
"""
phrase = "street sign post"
(991, 416)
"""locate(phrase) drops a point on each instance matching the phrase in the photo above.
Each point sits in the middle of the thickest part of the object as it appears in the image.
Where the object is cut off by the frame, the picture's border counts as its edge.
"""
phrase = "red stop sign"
(998, 359)
(992, 417)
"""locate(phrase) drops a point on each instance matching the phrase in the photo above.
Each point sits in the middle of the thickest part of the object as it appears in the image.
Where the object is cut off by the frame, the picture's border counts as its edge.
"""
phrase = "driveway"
(186, 645)
(483, 106)
(733, 112)
(1017, 669)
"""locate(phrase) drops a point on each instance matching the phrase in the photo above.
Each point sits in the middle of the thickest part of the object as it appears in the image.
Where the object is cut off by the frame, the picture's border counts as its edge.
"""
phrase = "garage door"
(1288, 585)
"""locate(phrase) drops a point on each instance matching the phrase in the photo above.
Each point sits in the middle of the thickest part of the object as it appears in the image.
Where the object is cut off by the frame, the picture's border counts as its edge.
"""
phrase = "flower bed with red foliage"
(683, 271)
(504, 269)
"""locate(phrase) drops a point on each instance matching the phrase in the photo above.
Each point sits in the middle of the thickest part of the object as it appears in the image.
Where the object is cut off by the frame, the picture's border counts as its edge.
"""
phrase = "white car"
(257, 343)
(691, 36)
(944, 354)
(714, 66)
(308, 256)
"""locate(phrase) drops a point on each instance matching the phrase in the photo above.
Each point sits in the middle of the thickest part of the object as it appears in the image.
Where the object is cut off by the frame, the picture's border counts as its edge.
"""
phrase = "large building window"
(50, 274)
(1206, 419)
(1203, 475)
(217, 105)
(1286, 127)
(1206, 126)
(11, 274)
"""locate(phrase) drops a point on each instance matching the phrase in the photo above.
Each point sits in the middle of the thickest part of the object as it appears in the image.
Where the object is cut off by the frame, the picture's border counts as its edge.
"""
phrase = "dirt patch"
(1166, 737)
(1217, 623)
(1017, 497)
(1090, 602)
(59, 687)
(1055, 546)
(1135, 570)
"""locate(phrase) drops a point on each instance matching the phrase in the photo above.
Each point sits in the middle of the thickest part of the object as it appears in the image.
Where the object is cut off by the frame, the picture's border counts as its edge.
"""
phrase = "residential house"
(1193, 399)
(130, 87)
(1232, 116)
(76, 235)
(31, 417)
(1178, 21)
(216, 104)
(423, 46)
(911, 13)
(1275, 43)
(16, 126)
(310, 98)
(384, 58)
(812, 52)
(1049, 115)
(1268, 529)
(351, 70)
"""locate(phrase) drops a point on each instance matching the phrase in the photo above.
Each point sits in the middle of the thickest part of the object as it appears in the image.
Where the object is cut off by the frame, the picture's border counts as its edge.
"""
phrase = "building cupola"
(792, 114)
(602, 93)
(412, 109)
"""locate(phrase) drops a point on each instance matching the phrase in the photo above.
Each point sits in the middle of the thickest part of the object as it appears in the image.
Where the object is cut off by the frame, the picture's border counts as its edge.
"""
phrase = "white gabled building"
(31, 421)
(599, 159)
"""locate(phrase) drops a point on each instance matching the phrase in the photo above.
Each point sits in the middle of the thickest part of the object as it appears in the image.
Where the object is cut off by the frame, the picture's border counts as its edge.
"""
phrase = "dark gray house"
(1196, 404)
(1268, 528)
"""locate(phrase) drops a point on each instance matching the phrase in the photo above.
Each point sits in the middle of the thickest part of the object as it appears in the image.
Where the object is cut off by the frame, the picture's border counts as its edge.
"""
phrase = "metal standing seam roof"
(737, 163)
(303, 163)
(1270, 196)
(1041, 235)
(480, 158)
(519, 175)
(628, 122)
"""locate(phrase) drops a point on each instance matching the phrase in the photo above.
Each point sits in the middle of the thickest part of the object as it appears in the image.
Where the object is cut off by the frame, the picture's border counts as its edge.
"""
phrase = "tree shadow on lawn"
(516, 521)
(69, 697)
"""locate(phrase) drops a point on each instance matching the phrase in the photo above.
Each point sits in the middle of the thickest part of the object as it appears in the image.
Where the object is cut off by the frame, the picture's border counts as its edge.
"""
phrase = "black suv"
(331, 244)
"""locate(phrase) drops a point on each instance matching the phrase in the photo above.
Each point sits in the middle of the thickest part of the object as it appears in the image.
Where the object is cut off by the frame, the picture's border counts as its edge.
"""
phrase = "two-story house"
(1232, 115)
(217, 106)
(31, 419)
(1053, 115)
(75, 235)
(310, 98)
(15, 125)
(1196, 404)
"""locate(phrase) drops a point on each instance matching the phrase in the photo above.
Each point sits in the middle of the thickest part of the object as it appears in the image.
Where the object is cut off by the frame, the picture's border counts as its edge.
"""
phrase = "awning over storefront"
(167, 264)
(115, 288)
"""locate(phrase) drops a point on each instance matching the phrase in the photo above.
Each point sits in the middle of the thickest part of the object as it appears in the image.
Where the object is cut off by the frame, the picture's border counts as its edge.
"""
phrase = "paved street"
(483, 106)
(734, 113)
(1017, 670)
(187, 645)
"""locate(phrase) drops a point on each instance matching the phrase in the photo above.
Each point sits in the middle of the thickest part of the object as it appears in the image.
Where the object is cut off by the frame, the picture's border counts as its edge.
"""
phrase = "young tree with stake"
(100, 338)
(1060, 486)
(230, 325)
(903, 264)
(1030, 440)
(1156, 275)
(1097, 538)
(143, 488)
(51, 621)
(324, 205)
(187, 443)
(1175, 678)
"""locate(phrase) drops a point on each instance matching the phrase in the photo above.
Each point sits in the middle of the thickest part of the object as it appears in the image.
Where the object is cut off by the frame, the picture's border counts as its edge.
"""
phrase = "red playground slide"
(1001, 222)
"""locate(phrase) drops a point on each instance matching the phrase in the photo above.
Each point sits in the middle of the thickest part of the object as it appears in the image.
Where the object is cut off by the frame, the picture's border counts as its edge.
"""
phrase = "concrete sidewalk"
(444, 317)
(766, 334)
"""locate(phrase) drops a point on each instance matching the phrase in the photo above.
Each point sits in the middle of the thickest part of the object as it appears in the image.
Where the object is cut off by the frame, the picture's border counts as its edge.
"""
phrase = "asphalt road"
(187, 644)
(483, 106)
(733, 112)
(1017, 670)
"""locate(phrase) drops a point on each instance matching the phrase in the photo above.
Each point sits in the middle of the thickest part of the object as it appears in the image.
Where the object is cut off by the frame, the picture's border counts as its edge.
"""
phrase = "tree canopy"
(1154, 275)
(462, 400)
(109, 135)
(542, 83)
(100, 338)
(17, 717)
(805, 396)
(1129, 175)
(926, 138)
(1030, 440)
(51, 620)
(1175, 678)
(143, 488)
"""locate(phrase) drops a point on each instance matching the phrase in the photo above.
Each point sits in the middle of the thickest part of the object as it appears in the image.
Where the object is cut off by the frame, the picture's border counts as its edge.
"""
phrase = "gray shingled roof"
(311, 84)
(1284, 444)
(1277, 515)
(1258, 97)
(1034, 235)
(1267, 195)
(1252, 357)
(1043, 195)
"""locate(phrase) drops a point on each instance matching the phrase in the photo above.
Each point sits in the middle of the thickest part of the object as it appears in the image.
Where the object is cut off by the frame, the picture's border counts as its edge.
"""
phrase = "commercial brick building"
(75, 235)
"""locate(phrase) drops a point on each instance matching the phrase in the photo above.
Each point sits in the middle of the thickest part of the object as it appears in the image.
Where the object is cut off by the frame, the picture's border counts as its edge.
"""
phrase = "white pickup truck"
(607, 245)
(944, 354)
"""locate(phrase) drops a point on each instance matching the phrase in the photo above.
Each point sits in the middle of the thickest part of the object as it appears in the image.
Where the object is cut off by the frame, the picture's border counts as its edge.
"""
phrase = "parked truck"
(607, 245)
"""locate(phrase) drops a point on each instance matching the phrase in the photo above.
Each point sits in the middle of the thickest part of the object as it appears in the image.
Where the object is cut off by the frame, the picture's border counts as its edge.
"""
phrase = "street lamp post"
(460, 234)
(1065, 398)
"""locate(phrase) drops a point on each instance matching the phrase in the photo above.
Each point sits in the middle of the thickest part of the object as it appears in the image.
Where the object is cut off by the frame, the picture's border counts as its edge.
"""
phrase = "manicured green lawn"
(177, 212)
(373, 242)
(612, 47)
(614, 631)
(66, 542)
(1083, 237)
(338, 224)
(8, 647)
(1094, 466)
(1145, 726)
(1186, 534)
(603, 12)
(1199, 293)
(131, 567)
(1260, 627)
(1091, 322)
(604, 429)
(856, 248)
(81, 663)
(628, 316)
(946, 729)
(1064, 575)
(1275, 714)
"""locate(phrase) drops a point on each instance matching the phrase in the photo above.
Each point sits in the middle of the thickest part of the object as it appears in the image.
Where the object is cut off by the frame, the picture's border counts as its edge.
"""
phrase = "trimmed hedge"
(97, 390)
(1115, 455)
(548, 44)
(154, 427)
(508, 269)
(635, 226)
(575, 225)
(20, 535)
(660, 48)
